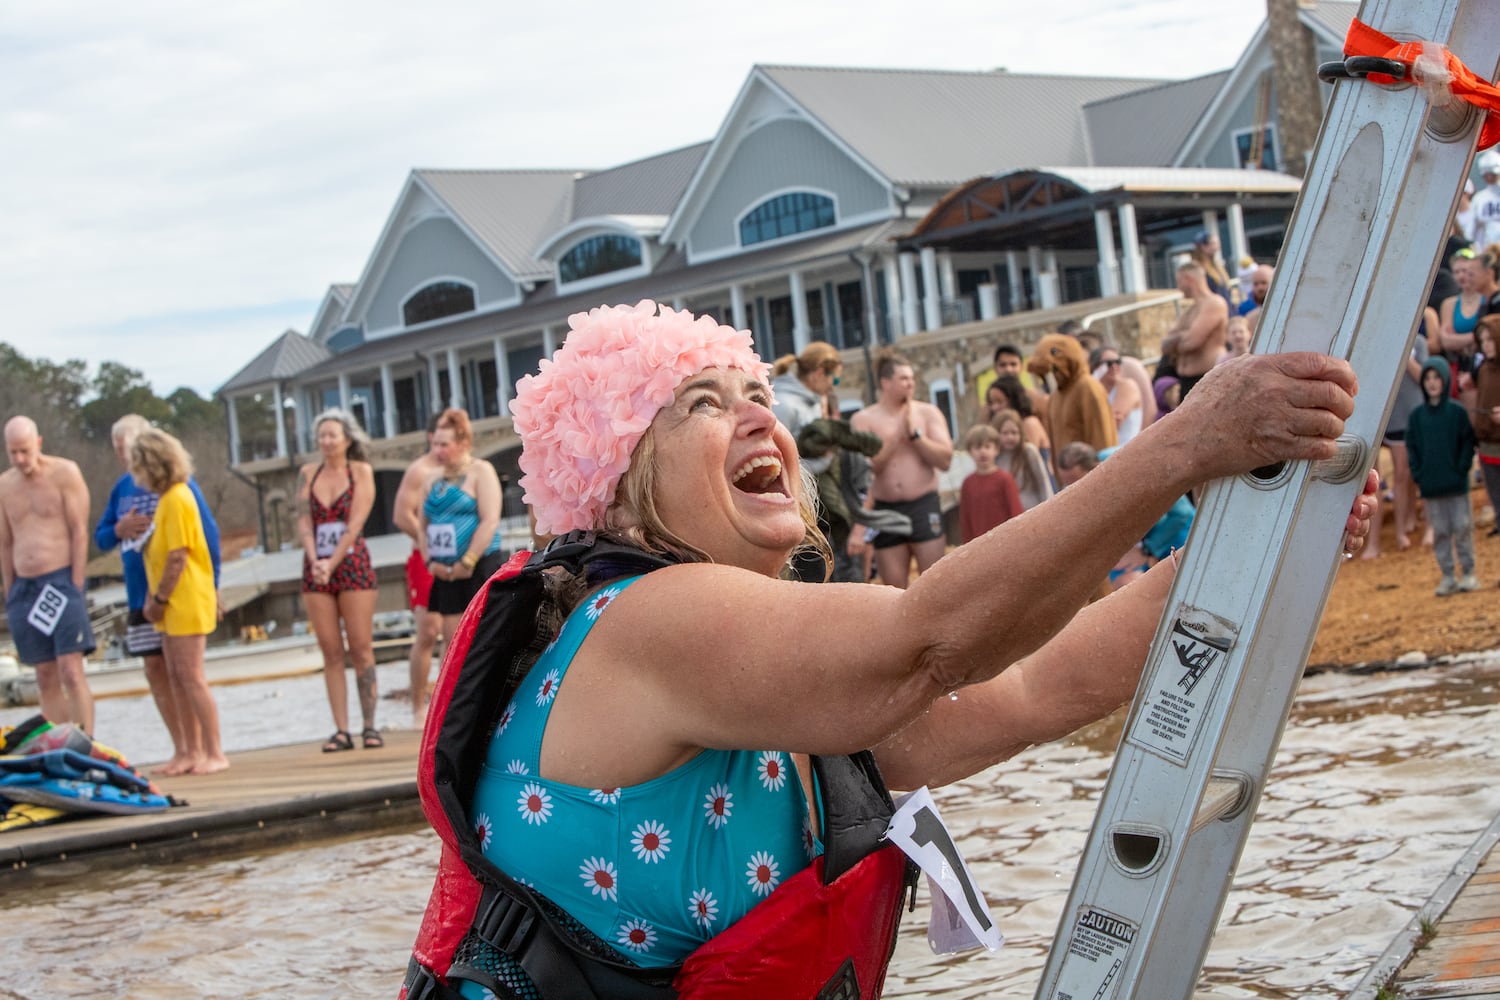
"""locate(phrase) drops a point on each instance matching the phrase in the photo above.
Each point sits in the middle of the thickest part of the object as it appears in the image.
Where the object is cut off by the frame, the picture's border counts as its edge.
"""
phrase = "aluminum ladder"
(1239, 621)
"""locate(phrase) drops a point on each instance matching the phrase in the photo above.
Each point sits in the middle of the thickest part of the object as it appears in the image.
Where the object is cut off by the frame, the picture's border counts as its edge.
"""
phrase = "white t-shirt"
(1486, 208)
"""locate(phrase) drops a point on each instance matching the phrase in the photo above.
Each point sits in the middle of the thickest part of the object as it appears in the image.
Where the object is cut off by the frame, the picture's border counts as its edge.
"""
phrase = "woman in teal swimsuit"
(647, 778)
(460, 520)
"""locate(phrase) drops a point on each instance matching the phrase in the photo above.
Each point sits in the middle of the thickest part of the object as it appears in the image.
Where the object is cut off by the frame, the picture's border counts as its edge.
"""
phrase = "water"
(1381, 783)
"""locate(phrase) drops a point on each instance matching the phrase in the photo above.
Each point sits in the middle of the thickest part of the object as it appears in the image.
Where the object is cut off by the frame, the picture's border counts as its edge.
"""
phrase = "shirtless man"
(917, 446)
(44, 511)
(408, 516)
(1200, 332)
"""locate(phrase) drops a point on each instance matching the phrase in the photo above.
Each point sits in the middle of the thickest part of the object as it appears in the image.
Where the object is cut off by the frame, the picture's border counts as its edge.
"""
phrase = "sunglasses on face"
(1111, 362)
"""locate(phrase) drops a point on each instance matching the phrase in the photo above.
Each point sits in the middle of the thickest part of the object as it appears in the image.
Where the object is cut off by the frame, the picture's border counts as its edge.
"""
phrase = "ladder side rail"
(1336, 294)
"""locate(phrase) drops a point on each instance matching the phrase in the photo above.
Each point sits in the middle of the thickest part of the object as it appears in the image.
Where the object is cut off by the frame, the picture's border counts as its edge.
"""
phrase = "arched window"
(439, 299)
(786, 215)
(599, 255)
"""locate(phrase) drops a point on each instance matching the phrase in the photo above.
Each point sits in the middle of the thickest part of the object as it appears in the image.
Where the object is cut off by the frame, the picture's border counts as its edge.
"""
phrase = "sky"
(181, 181)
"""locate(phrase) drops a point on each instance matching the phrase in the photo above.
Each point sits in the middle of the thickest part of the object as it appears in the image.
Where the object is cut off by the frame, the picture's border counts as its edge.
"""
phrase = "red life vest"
(826, 933)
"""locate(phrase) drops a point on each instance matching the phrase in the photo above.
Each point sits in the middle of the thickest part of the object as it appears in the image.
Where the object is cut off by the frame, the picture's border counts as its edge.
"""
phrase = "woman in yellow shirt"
(181, 600)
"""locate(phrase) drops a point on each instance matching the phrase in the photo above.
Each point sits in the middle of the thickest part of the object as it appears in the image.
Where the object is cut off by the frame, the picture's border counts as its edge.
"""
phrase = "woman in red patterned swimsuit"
(334, 497)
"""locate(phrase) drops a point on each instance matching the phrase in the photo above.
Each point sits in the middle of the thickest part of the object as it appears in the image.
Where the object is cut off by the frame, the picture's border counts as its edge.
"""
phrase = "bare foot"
(1370, 553)
(1402, 543)
(175, 766)
(211, 765)
(1427, 539)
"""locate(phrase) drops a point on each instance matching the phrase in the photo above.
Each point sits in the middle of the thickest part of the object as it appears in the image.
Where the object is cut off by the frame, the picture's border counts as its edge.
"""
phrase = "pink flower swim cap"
(581, 416)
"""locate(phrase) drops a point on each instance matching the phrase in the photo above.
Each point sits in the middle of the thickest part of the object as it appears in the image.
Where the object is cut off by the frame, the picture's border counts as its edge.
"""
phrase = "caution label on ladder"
(1168, 720)
(1096, 951)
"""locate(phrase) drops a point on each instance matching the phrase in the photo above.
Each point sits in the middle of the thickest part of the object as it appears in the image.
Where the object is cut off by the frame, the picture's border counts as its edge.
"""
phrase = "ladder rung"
(1221, 798)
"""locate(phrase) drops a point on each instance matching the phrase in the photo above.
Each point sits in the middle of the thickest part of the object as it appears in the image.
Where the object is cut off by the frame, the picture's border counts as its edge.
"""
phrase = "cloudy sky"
(180, 182)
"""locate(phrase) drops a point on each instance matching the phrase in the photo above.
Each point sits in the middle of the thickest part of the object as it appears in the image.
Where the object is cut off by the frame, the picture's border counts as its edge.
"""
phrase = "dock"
(279, 795)
(1450, 949)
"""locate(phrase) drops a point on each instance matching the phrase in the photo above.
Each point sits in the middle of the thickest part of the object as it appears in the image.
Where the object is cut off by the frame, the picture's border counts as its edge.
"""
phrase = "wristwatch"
(916, 433)
(159, 599)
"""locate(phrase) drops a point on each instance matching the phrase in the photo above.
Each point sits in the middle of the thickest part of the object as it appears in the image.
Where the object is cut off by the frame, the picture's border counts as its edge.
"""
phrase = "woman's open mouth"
(760, 475)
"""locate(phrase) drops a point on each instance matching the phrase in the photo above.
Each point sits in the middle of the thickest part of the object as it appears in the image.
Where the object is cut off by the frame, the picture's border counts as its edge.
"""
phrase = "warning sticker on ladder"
(1097, 949)
(1182, 688)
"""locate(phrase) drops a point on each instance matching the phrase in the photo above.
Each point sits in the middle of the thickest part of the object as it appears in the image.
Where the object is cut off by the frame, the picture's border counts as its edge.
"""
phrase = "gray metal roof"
(287, 355)
(1332, 17)
(651, 186)
(672, 276)
(510, 211)
(1147, 127)
(932, 127)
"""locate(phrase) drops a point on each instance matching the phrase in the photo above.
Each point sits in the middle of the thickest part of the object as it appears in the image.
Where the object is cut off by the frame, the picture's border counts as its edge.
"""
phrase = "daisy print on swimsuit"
(547, 690)
(651, 841)
(535, 804)
(595, 605)
(763, 873)
(605, 796)
(772, 770)
(703, 908)
(601, 878)
(506, 718)
(718, 804)
(484, 831)
(637, 935)
(517, 766)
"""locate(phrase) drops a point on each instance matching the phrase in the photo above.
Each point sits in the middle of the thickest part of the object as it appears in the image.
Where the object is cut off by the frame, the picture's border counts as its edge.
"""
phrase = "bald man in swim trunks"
(44, 512)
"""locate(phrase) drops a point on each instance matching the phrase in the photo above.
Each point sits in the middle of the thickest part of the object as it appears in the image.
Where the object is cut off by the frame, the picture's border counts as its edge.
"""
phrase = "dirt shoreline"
(1383, 614)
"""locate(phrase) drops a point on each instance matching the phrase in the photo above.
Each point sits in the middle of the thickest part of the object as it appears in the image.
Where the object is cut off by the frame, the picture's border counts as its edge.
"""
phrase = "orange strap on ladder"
(1462, 82)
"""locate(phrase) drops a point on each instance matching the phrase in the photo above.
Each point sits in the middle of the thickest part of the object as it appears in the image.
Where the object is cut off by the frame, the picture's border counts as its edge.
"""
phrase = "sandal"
(372, 739)
(340, 740)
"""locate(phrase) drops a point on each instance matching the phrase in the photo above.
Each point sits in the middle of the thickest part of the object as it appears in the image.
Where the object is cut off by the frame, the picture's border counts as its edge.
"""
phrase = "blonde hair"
(359, 441)
(633, 515)
(816, 355)
(1020, 469)
(158, 460)
(980, 434)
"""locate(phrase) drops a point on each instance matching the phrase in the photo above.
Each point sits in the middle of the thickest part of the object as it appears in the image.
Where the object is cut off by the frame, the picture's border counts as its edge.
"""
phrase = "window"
(940, 391)
(1244, 151)
(437, 300)
(786, 215)
(599, 255)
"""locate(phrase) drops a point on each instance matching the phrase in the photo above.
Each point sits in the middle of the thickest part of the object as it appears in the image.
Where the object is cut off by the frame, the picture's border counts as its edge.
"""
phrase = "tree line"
(75, 409)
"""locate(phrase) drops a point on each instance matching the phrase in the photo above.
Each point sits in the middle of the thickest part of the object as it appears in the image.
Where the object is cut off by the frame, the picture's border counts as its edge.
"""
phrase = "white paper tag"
(327, 538)
(138, 505)
(47, 610)
(442, 541)
(960, 918)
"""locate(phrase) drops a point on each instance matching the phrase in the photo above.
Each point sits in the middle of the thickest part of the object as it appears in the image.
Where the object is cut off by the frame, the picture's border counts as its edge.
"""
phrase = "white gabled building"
(856, 206)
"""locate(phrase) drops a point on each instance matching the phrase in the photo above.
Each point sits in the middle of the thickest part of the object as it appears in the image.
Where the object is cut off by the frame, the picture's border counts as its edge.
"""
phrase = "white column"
(388, 397)
(455, 381)
(799, 312)
(1017, 284)
(434, 387)
(549, 342)
(989, 300)
(911, 320)
(1104, 233)
(344, 391)
(234, 430)
(1211, 223)
(737, 307)
(892, 272)
(932, 299)
(947, 277)
(1239, 246)
(502, 378)
(1050, 281)
(281, 451)
(1133, 264)
(299, 421)
(679, 303)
